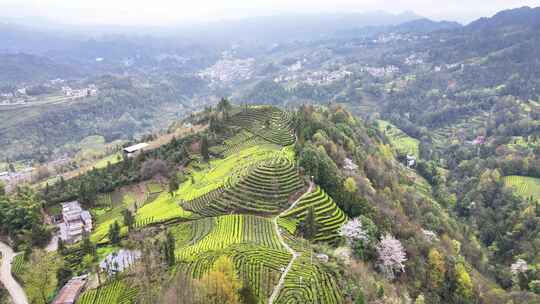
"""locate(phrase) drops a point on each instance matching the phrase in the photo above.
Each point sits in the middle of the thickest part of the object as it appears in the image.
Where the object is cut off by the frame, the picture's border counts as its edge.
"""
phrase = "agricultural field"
(163, 208)
(154, 188)
(403, 143)
(220, 170)
(459, 131)
(17, 265)
(112, 292)
(328, 216)
(241, 213)
(263, 189)
(520, 142)
(237, 204)
(109, 207)
(155, 207)
(112, 159)
(524, 186)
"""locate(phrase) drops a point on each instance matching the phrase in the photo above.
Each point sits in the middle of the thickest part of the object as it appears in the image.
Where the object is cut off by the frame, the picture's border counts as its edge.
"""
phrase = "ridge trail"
(295, 254)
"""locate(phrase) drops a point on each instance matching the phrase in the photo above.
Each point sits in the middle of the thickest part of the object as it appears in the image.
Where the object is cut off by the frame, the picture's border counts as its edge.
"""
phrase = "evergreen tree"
(61, 246)
(246, 294)
(204, 148)
(308, 227)
(129, 219)
(114, 233)
(88, 248)
(63, 274)
(224, 106)
(173, 184)
(168, 249)
(62, 182)
(360, 298)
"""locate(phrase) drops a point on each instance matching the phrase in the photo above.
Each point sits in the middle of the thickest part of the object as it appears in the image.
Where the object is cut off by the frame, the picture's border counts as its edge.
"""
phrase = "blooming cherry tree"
(430, 235)
(518, 269)
(391, 255)
(353, 231)
(520, 266)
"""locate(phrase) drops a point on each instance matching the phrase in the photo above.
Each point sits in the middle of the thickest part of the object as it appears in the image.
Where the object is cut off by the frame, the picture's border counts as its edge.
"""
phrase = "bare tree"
(182, 290)
(148, 272)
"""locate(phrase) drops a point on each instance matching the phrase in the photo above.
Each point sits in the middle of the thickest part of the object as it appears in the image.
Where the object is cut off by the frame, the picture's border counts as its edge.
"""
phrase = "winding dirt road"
(15, 290)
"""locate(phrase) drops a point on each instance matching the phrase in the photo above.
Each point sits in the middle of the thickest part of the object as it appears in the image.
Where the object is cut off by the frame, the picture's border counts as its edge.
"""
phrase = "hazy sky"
(167, 12)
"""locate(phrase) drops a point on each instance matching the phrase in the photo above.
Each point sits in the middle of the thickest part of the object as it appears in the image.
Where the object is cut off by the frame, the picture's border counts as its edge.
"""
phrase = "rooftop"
(136, 147)
(70, 292)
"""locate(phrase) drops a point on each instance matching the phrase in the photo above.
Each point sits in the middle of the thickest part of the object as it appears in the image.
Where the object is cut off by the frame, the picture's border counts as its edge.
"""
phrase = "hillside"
(282, 206)
(25, 68)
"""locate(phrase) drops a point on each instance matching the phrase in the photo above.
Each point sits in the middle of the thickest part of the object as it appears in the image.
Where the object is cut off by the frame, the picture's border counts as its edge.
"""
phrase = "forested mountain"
(18, 68)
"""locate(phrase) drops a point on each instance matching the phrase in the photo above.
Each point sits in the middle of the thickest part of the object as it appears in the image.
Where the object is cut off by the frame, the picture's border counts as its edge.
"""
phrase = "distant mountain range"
(29, 39)
(425, 25)
(524, 16)
(299, 27)
(69, 49)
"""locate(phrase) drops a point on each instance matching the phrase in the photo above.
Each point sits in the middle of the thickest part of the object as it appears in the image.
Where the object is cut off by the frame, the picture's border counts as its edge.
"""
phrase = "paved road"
(295, 254)
(15, 290)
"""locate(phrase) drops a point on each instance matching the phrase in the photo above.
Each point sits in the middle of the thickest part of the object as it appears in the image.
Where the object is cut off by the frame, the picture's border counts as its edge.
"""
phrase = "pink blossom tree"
(391, 256)
(353, 231)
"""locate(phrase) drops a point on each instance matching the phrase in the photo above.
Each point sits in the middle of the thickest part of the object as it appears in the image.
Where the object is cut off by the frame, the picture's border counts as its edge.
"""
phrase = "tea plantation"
(246, 203)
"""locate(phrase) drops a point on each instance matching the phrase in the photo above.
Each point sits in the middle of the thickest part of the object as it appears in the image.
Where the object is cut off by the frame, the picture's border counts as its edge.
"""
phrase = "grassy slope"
(525, 186)
(401, 141)
(162, 208)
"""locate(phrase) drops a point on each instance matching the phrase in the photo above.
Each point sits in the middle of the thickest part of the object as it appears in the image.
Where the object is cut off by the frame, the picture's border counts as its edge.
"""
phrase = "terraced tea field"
(114, 292)
(222, 170)
(245, 205)
(461, 130)
(268, 123)
(236, 201)
(263, 188)
(524, 186)
(403, 143)
(328, 216)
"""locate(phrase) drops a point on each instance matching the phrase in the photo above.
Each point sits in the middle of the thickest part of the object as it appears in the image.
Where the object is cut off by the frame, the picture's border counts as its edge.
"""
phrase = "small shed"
(411, 161)
(133, 150)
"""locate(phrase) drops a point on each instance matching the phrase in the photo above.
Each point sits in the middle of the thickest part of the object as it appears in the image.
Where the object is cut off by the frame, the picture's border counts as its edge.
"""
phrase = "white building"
(411, 161)
(132, 150)
(76, 221)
